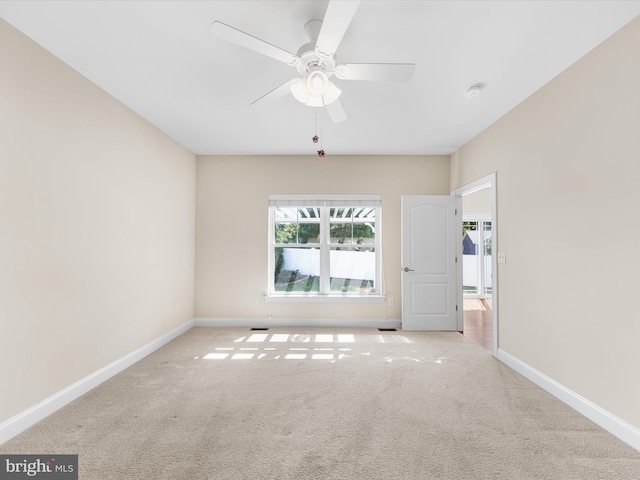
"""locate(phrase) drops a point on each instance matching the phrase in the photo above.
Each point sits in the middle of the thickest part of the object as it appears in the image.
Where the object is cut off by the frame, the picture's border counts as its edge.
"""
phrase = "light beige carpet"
(292, 403)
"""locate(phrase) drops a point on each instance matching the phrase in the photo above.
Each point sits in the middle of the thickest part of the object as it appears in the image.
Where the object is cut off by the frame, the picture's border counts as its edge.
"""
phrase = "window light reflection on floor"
(295, 356)
(285, 337)
(215, 356)
(318, 338)
(288, 356)
(328, 343)
(242, 356)
(279, 337)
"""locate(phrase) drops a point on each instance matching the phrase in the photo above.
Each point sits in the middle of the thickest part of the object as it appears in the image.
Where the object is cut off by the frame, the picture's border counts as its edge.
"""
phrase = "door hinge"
(456, 259)
(456, 308)
(456, 211)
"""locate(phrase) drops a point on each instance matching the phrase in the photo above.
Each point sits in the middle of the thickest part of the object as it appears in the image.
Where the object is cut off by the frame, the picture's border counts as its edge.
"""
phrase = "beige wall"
(97, 227)
(568, 168)
(232, 224)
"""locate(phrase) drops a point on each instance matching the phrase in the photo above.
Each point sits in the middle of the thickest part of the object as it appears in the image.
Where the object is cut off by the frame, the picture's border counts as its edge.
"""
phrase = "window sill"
(325, 299)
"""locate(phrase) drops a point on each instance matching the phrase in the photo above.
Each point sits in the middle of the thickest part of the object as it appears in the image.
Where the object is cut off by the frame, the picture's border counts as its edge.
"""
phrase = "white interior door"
(428, 263)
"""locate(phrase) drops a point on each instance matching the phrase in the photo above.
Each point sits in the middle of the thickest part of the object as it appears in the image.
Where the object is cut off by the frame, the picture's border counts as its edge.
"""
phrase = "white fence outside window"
(345, 264)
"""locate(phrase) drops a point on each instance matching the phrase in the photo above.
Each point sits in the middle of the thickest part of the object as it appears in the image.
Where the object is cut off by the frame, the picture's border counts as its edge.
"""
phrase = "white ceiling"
(160, 59)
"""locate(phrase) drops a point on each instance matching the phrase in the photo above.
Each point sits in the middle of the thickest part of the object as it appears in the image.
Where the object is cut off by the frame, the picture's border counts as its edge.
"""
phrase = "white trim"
(489, 181)
(324, 246)
(476, 185)
(325, 200)
(460, 260)
(325, 253)
(471, 216)
(612, 424)
(19, 423)
(271, 252)
(291, 298)
(298, 322)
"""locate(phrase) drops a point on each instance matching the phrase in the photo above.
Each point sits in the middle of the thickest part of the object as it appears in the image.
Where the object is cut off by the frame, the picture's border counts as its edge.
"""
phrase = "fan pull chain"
(321, 151)
(315, 136)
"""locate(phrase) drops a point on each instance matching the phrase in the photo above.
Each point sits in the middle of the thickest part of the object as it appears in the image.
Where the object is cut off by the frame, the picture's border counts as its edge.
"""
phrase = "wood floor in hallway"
(478, 321)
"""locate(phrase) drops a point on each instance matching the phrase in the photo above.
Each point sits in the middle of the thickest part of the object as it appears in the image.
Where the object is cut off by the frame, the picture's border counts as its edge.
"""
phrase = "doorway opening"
(477, 279)
(477, 312)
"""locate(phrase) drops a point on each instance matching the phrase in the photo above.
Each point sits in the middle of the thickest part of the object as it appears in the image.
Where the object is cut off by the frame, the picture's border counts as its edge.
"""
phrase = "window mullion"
(481, 248)
(325, 251)
(377, 241)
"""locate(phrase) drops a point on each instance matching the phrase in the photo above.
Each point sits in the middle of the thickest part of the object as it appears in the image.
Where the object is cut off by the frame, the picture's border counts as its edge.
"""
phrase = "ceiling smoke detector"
(474, 90)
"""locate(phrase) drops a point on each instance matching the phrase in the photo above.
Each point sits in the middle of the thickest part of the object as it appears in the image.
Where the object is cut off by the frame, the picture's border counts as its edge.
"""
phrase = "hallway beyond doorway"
(478, 321)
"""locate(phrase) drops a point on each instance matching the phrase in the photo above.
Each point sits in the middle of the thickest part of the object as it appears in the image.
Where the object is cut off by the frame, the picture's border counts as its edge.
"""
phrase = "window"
(324, 245)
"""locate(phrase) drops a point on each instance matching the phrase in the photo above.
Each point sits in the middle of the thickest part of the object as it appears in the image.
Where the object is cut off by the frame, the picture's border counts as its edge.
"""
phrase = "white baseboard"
(614, 425)
(298, 322)
(18, 424)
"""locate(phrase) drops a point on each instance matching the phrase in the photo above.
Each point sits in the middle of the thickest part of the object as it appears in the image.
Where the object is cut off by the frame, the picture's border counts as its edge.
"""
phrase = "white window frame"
(324, 203)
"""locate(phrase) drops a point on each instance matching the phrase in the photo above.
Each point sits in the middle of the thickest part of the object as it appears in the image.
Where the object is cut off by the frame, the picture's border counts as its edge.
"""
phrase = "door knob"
(407, 269)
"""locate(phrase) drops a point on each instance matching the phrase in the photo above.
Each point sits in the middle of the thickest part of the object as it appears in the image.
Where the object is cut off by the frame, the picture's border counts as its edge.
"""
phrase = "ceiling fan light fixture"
(317, 83)
(314, 101)
(315, 90)
(299, 90)
(332, 94)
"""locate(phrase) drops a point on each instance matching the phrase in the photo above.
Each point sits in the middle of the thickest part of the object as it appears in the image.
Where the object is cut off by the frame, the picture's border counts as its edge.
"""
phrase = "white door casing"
(428, 263)
(490, 181)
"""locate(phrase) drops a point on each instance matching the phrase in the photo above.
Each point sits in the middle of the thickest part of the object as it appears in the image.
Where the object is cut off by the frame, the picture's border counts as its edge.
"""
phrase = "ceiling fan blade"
(336, 21)
(389, 72)
(224, 31)
(274, 95)
(336, 112)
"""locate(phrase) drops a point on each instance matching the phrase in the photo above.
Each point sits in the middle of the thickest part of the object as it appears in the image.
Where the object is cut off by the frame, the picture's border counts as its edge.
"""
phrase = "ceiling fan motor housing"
(310, 59)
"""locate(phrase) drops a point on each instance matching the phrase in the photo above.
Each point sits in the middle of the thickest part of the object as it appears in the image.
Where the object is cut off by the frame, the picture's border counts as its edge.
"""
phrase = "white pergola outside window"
(325, 246)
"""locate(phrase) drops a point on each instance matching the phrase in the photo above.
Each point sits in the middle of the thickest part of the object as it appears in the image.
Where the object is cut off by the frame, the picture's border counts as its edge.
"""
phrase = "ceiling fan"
(316, 61)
